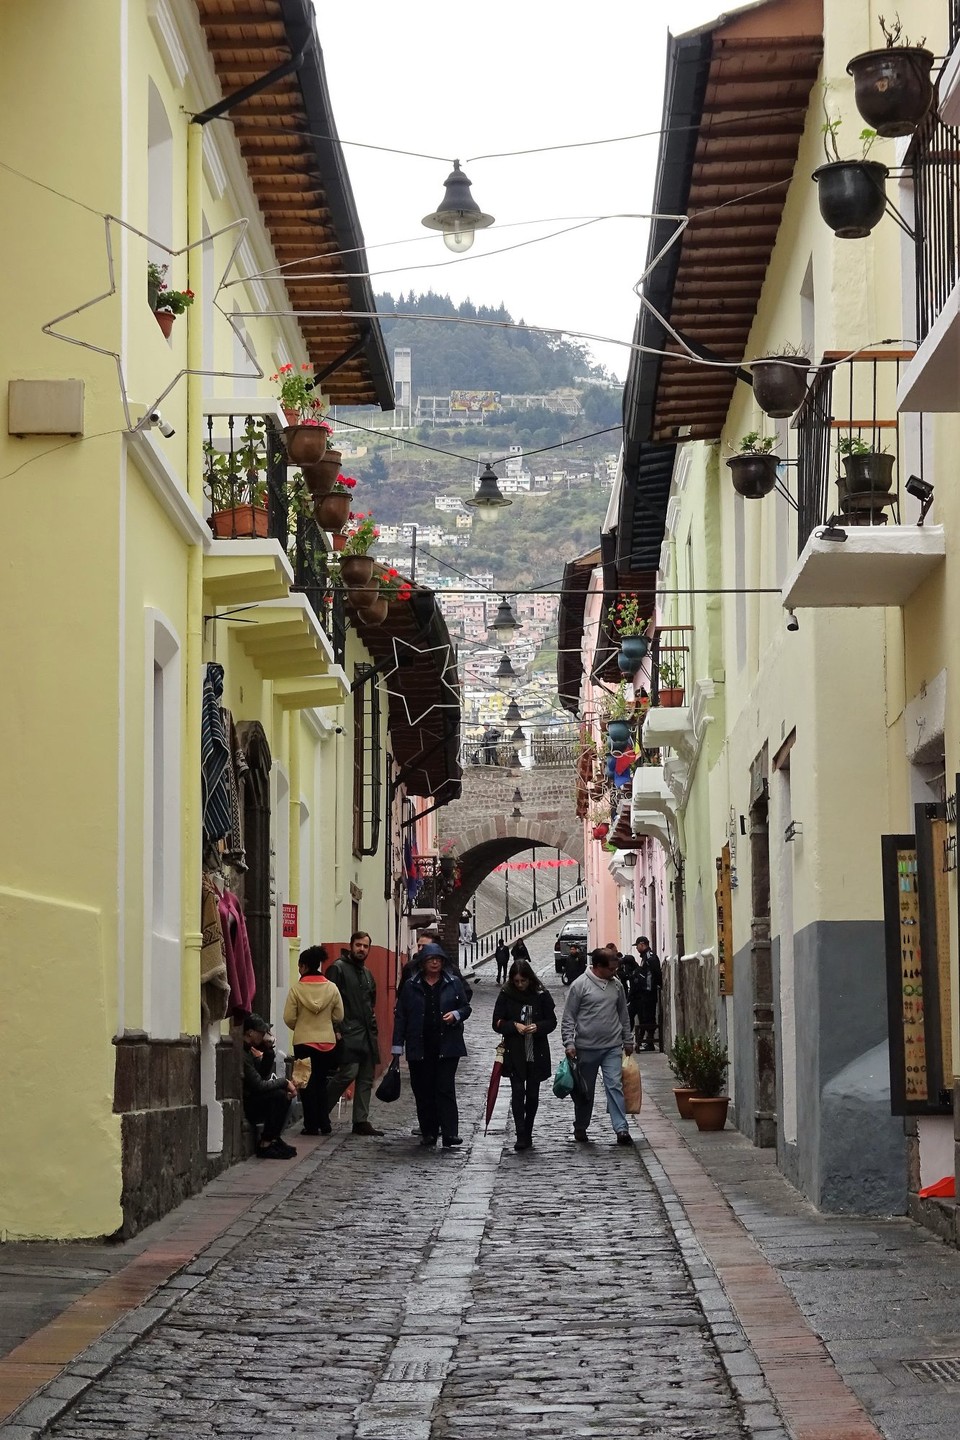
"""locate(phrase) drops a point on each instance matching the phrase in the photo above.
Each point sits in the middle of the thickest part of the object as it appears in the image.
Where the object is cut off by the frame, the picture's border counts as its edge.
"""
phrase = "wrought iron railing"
(668, 666)
(852, 402)
(934, 158)
(245, 476)
(954, 23)
(555, 747)
(434, 878)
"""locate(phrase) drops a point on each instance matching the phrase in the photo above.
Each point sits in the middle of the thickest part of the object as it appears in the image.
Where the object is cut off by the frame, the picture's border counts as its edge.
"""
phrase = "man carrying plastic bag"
(596, 1033)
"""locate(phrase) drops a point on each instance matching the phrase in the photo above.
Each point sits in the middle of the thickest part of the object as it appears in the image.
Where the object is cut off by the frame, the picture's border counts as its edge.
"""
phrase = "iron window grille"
(934, 158)
(367, 776)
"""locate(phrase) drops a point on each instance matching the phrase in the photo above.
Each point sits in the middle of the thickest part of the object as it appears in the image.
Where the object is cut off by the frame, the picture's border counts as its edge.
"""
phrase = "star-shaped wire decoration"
(418, 652)
(108, 221)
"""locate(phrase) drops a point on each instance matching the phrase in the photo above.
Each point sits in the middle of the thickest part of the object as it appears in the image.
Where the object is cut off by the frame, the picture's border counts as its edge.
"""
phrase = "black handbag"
(389, 1087)
(580, 1091)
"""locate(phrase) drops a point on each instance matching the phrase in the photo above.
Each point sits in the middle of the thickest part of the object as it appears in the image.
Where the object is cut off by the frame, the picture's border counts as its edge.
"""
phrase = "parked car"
(574, 932)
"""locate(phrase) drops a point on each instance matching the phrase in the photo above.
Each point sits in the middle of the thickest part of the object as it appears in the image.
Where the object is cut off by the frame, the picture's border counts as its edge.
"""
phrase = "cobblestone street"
(397, 1292)
(378, 1291)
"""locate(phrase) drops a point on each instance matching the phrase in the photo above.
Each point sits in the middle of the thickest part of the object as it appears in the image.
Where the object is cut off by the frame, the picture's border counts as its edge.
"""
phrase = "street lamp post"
(558, 872)
(506, 892)
(534, 877)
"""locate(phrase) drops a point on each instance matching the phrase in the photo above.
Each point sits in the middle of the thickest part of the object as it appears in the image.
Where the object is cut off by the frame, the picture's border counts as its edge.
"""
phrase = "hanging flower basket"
(165, 319)
(779, 384)
(618, 734)
(601, 831)
(892, 88)
(321, 476)
(753, 475)
(356, 570)
(242, 522)
(375, 613)
(305, 444)
(852, 196)
(332, 511)
(633, 650)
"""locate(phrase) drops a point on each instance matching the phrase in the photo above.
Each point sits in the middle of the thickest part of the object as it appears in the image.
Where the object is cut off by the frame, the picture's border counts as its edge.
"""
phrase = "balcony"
(266, 546)
(866, 556)
(669, 721)
(949, 85)
(931, 381)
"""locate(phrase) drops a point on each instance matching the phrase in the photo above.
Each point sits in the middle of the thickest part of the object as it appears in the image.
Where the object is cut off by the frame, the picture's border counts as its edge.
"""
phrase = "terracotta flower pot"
(374, 614)
(242, 522)
(356, 570)
(600, 832)
(710, 1112)
(165, 319)
(683, 1094)
(321, 477)
(671, 698)
(338, 541)
(291, 414)
(305, 444)
(332, 511)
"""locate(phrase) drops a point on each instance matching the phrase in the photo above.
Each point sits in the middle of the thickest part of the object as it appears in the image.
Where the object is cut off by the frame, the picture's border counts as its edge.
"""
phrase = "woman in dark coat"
(519, 951)
(428, 1023)
(524, 1015)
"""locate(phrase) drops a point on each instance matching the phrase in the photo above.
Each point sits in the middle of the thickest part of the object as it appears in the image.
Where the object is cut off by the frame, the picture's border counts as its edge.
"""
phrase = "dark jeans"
(316, 1115)
(525, 1091)
(502, 968)
(270, 1111)
(434, 1085)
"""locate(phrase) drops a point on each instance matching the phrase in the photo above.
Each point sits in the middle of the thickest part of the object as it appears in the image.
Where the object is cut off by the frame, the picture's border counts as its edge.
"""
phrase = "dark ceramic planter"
(753, 475)
(872, 473)
(852, 196)
(332, 511)
(892, 88)
(779, 384)
(374, 614)
(321, 476)
(618, 733)
(633, 650)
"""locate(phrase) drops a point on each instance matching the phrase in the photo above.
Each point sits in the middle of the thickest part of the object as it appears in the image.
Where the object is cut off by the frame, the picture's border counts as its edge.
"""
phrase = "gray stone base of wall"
(164, 1125)
(940, 1216)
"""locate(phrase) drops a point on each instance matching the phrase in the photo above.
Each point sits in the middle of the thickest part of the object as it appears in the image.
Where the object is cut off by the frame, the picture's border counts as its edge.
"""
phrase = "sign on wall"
(290, 922)
(917, 933)
(723, 896)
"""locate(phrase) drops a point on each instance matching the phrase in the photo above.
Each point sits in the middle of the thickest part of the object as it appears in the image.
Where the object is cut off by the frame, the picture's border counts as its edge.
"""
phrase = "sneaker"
(579, 1134)
(363, 1127)
(276, 1150)
(453, 1140)
(624, 1137)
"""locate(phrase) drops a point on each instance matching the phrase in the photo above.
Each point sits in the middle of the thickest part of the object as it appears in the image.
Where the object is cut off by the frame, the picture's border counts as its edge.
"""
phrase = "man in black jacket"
(361, 1043)
(266, 1096)
(648, 986)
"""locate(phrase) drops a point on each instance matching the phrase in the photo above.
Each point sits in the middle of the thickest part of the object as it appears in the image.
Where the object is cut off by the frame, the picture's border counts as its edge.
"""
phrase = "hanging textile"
(237, 771)
(236, 945)
(214, 984)
(214, 758)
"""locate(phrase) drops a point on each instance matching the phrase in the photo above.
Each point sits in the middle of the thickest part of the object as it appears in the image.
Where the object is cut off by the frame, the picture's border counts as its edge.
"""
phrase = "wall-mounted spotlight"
(832, 531)
(489, 498)
(792, 622)
(458, 215)
(921, 490)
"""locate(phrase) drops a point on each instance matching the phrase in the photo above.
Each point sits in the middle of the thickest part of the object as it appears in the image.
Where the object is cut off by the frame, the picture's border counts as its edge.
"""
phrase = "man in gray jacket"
(596, 1031)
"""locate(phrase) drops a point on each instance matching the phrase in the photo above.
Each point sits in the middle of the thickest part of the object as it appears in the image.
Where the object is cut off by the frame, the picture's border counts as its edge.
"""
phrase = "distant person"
(428, 1024)
(502, 957)
(466, 928)
(488, 744)
(266, 1096)
(596, 1033)
(524, 1015)
(519, 951)
(649, 985)
(361, 1043)
(314, 1012)
(575, 963)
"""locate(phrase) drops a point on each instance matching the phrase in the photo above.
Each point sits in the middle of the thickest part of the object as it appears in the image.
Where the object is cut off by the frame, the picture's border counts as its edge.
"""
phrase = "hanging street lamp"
(506, 677)
(488, 498)
(458, 215)
(512, 715)
(505, 620)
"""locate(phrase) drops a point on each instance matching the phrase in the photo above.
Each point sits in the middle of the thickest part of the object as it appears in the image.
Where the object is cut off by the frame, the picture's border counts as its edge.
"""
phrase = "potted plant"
(618, 721)
(625, 621)
(356, 563)
(707, 1072)
(392, 587)
(670, 671)
(333, 511)
(867, 473)
(851, 193)
(780, 381)
(678, 1058)
(753, 469)
(237, 486)
(892, 87)
(321, 476)
(165, 303)
(305, 435)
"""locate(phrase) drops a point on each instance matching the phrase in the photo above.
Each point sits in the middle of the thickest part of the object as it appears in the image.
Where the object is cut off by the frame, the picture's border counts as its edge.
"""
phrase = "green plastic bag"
(563, 1080)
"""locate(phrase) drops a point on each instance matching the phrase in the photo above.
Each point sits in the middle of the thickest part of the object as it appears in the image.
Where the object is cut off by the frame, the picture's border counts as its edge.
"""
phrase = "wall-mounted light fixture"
(921, 490)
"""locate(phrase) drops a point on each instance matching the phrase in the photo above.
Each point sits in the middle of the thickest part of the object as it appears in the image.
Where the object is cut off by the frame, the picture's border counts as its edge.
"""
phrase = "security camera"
(792, 622)
(164, 426)
(921, 490)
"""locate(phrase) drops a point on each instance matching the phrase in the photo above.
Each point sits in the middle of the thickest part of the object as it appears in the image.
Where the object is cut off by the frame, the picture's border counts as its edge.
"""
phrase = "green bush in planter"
(708, 1064)
(678, 1058)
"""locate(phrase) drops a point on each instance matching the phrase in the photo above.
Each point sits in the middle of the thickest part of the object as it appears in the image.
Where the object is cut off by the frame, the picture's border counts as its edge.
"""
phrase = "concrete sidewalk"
(883, 1295)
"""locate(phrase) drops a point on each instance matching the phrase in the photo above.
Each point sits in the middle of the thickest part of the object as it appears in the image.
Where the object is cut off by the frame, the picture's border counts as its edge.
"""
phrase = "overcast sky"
(458, 81)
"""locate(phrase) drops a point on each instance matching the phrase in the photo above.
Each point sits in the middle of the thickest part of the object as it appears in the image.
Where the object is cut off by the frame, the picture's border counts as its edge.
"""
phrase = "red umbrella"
(493, 1089)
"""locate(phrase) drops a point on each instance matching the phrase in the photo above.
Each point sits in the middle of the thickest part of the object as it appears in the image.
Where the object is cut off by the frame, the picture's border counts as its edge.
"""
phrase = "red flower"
(304, 367)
